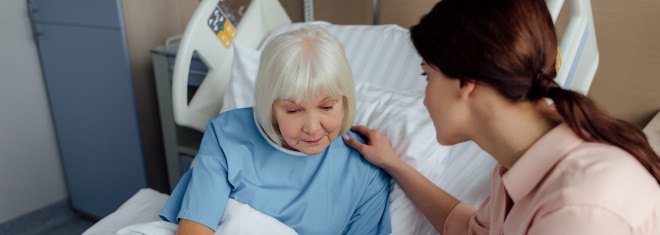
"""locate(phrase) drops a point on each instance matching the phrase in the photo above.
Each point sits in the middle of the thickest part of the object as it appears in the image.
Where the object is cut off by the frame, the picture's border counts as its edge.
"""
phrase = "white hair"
(300, 65)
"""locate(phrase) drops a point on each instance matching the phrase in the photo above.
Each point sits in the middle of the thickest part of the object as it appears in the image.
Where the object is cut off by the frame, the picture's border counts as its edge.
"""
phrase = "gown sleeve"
(202, 193)
(373, 213)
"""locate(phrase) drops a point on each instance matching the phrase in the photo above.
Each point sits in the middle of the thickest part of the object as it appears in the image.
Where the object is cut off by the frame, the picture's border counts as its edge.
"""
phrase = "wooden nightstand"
(652, 131)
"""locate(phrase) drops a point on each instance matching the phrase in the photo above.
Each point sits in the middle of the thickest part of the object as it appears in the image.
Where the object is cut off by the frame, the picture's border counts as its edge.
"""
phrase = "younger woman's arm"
(432, 201)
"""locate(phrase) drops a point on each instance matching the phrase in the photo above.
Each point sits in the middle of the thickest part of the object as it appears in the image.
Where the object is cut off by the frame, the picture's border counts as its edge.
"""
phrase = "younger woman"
(563, 169)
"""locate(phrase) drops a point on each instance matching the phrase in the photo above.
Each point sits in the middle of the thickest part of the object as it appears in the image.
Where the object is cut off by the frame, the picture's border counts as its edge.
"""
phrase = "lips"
(312, 141)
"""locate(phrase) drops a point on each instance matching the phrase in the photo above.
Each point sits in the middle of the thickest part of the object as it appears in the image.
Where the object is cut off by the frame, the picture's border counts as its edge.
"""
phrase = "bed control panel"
(222, 27)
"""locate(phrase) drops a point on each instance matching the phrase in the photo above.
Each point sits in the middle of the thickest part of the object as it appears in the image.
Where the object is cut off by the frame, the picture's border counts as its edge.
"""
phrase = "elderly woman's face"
(309, 127)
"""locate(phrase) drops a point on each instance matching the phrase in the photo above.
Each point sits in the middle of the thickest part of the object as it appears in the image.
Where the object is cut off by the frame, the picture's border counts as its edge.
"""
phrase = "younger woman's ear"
(467, 86)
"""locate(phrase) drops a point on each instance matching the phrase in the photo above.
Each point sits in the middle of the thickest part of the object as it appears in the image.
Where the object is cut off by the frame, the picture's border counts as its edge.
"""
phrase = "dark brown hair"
(511, 46)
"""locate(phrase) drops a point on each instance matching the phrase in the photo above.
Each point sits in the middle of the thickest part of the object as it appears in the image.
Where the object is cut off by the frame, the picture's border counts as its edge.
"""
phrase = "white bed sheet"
(142, 207)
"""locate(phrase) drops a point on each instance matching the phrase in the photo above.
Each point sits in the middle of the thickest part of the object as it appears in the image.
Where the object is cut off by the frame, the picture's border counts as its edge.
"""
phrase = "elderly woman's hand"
(378, 149)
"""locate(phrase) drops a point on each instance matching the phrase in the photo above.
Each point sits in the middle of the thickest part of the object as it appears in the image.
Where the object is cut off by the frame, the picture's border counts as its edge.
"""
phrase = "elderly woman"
(282, 157)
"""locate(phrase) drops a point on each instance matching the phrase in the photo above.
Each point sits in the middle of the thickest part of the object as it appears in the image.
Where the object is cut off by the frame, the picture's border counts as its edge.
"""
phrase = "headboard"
(261, 17)
(578, 49)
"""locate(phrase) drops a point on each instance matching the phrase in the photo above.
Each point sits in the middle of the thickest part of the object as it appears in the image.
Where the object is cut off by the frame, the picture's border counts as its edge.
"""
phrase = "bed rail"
(578, 47)
(260, 18)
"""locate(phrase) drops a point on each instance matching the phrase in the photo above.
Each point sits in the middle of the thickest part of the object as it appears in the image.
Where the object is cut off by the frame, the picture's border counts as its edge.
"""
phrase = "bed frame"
(260, 18)
(578, 47)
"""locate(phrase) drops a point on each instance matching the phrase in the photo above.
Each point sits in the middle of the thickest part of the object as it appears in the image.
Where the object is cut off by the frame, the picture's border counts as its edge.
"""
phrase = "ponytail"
(591, 123)
(511, 45)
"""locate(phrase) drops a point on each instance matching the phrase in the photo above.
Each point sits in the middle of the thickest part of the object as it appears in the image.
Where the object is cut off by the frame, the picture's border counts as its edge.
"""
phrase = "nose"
(426, 96)
(425, 101)
(312, 124)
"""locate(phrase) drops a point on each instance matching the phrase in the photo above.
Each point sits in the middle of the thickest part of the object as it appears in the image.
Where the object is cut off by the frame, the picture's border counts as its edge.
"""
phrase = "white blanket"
(238, 219)
(139, 215)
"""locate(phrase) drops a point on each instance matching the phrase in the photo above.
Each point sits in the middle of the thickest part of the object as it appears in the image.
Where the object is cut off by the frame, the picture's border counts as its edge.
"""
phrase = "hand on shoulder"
(377, 150)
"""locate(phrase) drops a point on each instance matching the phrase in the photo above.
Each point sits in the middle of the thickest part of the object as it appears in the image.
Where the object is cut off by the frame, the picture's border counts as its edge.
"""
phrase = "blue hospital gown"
(334, 192)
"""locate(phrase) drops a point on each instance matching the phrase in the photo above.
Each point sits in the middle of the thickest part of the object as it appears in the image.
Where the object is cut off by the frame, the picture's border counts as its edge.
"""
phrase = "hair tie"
(541, 85)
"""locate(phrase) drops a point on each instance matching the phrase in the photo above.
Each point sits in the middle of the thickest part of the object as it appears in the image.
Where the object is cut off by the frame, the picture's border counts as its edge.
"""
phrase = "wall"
(31, 173)
(360, 11)
(148, 24)
(627, 83)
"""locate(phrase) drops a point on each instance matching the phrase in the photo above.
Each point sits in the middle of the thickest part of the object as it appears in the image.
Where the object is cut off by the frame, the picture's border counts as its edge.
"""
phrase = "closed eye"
(292, 111)
(328, 104)
(426, 75)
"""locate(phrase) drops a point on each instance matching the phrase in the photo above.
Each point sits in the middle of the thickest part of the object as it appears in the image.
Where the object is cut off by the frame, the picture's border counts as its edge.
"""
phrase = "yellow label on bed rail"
(227, 35)
(222, 27)
(558, 63)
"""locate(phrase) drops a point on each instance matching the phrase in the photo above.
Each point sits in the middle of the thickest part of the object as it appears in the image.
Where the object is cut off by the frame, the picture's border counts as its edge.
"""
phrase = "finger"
(362, 130)
(354, 143)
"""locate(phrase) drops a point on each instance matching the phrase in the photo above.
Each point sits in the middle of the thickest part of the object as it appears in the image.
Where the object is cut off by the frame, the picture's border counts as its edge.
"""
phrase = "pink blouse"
(564, 185)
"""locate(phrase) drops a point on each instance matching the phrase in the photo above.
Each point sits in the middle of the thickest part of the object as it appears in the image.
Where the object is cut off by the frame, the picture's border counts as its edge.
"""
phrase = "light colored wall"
(31, 174)
(148, 24)
(627, 83)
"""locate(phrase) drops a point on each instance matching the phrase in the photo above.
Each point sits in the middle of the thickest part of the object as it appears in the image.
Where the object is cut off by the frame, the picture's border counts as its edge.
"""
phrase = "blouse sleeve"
(463, 219)
(580, 219)
(202, 194)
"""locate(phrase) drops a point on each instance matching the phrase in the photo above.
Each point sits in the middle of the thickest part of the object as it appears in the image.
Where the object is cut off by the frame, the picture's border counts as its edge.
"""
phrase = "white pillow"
(401, 116)
(462, 170)
(377, 54)
(239, 92)
(381, 54)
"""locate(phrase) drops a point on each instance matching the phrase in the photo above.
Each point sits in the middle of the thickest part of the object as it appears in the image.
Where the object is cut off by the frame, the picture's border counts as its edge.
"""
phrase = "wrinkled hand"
(378, 149)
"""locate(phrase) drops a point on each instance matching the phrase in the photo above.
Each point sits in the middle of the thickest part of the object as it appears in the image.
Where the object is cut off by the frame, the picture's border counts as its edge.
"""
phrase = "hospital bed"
(389, 97)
